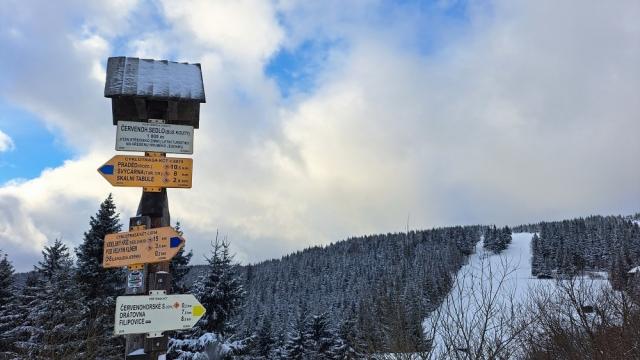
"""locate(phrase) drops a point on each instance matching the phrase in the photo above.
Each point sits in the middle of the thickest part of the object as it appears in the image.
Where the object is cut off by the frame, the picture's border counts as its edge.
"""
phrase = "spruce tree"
(22, 335)
(6, 281)
(296, 346)
(180, 267)
(347, 341)
(53, 259)
(57, 308)
(506, 237)
(618, 274)
(319, 337)
(222, 290)
(536, 257)
(497, 240)
(263, 343)
(99, 287)
(8, 318)
(489, 242)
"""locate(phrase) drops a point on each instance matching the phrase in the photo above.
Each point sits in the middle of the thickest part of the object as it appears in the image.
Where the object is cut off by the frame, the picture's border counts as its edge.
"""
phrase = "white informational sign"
(156, 313)
(167, 138)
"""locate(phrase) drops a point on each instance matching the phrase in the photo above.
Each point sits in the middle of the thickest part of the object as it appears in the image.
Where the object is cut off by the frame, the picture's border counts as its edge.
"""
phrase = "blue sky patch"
(296, 70)
(35, 147)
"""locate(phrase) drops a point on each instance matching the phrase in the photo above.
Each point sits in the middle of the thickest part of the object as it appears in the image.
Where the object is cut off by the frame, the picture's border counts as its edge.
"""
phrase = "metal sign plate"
(156, 313)
(135, 279)
(148, 171)
(167, 138)
(141, 247)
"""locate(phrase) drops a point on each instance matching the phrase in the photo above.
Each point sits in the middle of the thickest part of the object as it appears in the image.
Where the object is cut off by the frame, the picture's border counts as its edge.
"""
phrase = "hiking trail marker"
(156, 312)
(155, 105)
(166, 138)
(141, 247)
(148, 171)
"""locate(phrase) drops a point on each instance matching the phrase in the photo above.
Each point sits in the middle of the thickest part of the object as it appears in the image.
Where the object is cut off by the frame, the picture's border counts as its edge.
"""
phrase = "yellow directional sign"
(148, 171)
(141, 247)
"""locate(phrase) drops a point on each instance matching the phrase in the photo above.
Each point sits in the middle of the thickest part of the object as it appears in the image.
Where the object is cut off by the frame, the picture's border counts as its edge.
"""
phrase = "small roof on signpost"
(635, 270)
(143, 89)
(154, 79)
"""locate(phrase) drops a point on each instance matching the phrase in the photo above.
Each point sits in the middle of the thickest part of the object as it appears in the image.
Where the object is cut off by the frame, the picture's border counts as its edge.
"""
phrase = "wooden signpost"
(156, 106)
(141, 247)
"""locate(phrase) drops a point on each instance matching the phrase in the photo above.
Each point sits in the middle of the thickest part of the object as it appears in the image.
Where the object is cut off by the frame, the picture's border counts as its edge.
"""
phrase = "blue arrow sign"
(175, 242)
(106, 169)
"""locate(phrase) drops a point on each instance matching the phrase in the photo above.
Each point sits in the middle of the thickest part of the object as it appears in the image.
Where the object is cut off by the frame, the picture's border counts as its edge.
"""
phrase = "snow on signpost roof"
(634, 270)
(154, 79)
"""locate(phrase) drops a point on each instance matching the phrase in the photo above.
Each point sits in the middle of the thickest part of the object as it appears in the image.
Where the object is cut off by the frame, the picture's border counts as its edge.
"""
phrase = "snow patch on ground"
(137, 352)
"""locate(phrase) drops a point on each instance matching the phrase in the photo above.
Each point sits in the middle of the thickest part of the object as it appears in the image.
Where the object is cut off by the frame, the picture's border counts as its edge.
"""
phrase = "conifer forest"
(363, 297)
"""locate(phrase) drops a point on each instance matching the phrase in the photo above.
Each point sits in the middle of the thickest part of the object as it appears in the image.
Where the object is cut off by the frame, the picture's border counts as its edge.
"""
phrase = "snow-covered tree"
(347, 341)
(99, 287)
(8, 318)
(349, 276)
(222, 290)
(53, 319)
(319, 337)
(595, 243)
(180, 267)
(21, 333)
(497, 239)
(6, 281)
(536, 261)
(295, 347)
(262, 343)
(208, 346)
(53, 259)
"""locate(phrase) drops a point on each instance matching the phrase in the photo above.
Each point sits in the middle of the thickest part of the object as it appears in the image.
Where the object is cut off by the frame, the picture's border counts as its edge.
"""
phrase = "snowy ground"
(505, 277)
(514, 264)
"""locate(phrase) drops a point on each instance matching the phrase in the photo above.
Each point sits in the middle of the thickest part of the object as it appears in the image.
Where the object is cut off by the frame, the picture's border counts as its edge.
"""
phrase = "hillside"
(384, 286)
(384, 283)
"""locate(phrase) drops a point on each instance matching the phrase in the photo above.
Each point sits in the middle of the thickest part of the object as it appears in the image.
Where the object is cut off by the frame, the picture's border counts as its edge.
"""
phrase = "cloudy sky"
(328, 119)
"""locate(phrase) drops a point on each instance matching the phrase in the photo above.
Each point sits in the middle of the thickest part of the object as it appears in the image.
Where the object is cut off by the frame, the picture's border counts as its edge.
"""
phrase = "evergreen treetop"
(54, 258)
(8, 316)
(99, 287)
(51, 309)
(221, 290)
(180, 267)
(95, 281)
(6, 280)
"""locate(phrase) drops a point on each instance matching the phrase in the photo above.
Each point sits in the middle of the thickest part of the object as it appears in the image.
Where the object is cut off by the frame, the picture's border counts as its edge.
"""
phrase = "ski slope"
(512, 267)
(488, 284)
(496, 284)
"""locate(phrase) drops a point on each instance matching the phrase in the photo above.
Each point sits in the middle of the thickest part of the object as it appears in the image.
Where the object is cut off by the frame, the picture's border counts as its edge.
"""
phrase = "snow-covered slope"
(512, 268)
(488, 294)
(488, 283)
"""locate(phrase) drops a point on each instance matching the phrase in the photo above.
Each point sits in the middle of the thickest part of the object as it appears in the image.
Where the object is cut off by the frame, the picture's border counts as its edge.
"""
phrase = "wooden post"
(136, 341)
(153, 211)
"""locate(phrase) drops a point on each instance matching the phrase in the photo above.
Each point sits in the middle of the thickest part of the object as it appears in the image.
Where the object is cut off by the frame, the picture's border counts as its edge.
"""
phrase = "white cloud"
(6, 143)
(530, 114)
(55, 63)
(149, 46)
(244, 30)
